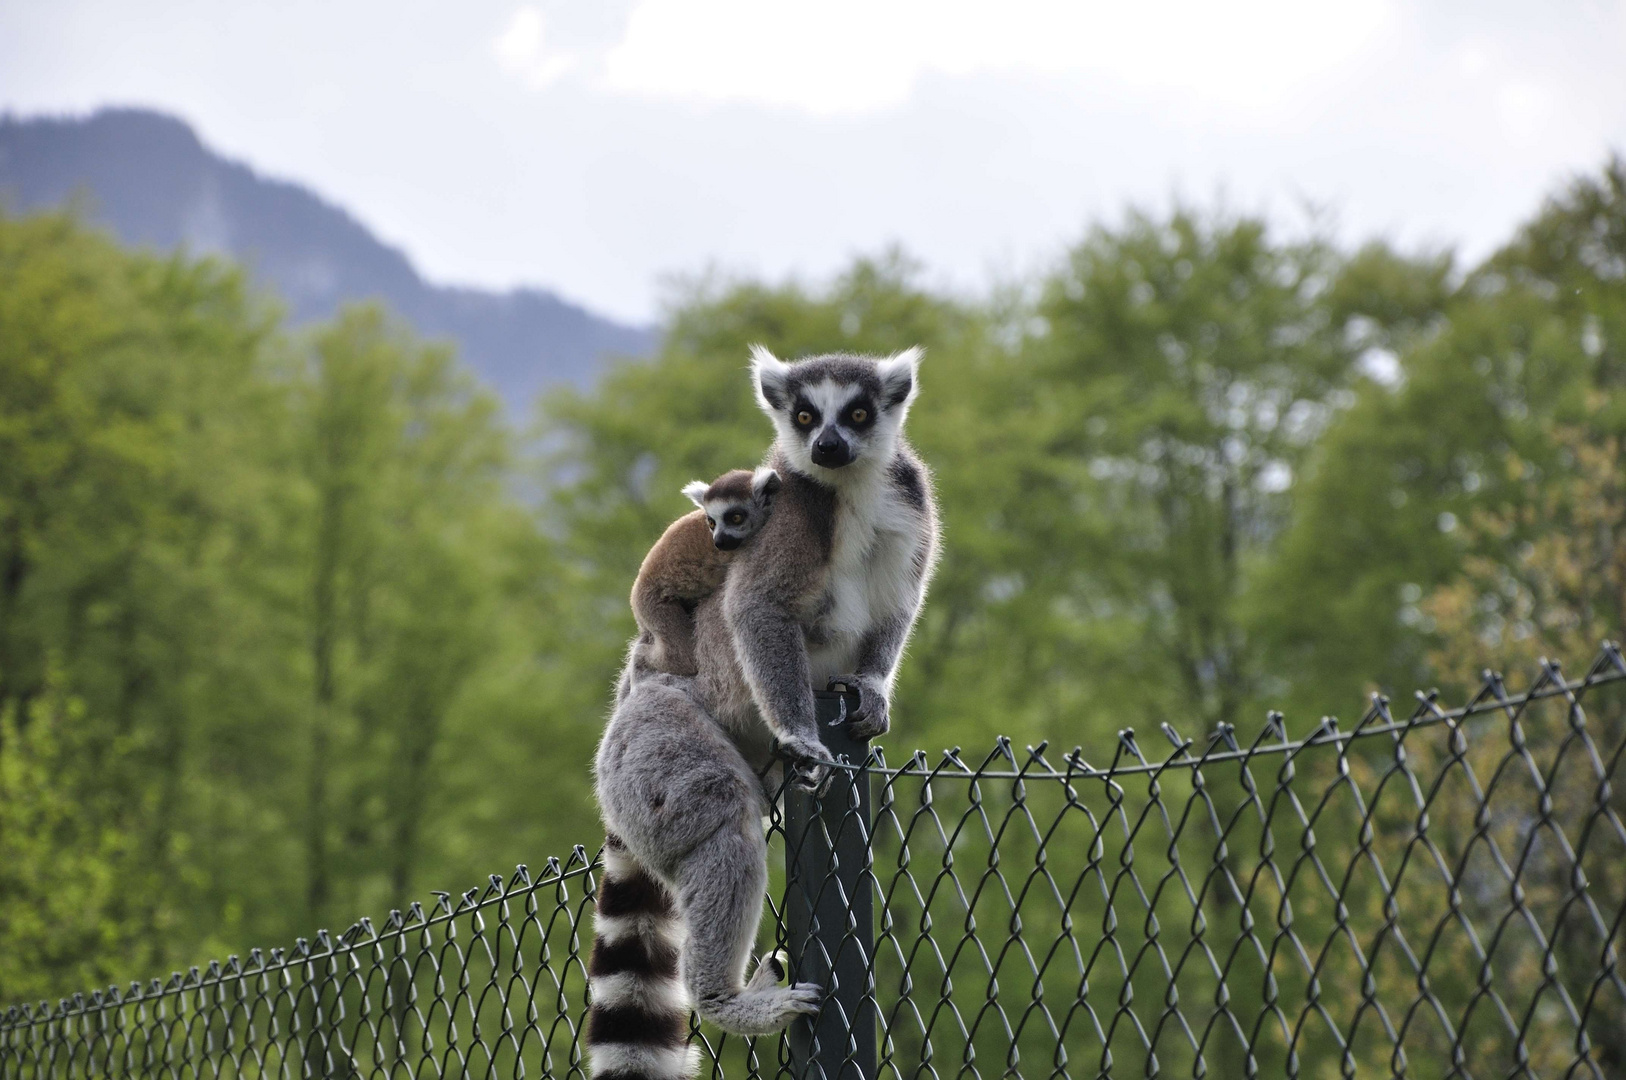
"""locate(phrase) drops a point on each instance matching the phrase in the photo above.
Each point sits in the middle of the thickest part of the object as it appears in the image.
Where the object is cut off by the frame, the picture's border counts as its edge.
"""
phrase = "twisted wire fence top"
(446, 910)
(1222, 745)
(1438, 894)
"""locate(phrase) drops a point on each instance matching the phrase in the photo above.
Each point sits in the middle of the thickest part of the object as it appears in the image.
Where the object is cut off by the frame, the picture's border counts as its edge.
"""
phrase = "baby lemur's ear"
(765, 483)
(696, 491)
(772, 378)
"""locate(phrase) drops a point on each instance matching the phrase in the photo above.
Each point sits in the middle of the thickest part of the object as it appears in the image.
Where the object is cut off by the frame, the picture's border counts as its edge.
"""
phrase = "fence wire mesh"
(1434, 893)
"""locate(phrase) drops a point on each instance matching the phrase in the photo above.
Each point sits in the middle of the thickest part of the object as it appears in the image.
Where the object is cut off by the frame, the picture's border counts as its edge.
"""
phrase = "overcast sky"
(596, 148)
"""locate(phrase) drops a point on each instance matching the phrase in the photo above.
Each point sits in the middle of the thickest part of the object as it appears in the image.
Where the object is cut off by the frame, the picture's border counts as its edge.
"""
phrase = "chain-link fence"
(1434, 893)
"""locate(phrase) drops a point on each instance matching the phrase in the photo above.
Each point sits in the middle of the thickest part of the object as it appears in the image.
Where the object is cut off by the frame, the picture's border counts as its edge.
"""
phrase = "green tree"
(269, 622)
(406, 536)
(1489, 372)
(1188, 366)
(66, 920)
(134, 429)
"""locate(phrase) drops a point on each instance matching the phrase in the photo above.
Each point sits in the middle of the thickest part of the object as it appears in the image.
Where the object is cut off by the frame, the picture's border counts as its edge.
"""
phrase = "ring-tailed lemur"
(827, 591)
(858, 505)
(689, 561)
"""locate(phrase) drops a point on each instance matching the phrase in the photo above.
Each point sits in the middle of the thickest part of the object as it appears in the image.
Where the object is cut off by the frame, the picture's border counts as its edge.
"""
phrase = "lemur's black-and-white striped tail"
(638, 1024)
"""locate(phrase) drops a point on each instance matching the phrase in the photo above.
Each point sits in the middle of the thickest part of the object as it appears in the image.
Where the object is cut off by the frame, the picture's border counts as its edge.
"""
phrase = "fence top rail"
(362, 934)
(1002, 763)
(1222, 745)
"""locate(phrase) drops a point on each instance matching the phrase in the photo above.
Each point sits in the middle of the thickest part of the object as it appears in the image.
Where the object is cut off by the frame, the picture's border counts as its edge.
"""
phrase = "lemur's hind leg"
(720, 888)
(670, 625)
(678, 792)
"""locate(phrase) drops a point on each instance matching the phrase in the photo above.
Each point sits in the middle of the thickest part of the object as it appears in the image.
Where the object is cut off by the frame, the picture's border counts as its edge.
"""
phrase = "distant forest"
(147, 177)
(297, 625)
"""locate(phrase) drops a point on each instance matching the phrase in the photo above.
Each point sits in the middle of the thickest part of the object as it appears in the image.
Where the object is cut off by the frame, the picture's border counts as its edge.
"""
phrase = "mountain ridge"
(155, 183)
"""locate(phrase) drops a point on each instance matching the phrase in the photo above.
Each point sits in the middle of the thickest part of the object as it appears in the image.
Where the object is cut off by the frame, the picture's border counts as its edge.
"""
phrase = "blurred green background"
(295, 626)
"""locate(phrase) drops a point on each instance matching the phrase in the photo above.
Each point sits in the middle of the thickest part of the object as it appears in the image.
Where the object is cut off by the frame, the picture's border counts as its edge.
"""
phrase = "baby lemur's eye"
(735, 517)
(804, 418)
(710, 524)
(860, 415)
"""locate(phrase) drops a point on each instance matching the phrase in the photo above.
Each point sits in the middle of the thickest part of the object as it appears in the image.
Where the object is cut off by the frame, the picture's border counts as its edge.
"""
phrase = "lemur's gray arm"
(772, 653)
(881, 647)
(878, 655)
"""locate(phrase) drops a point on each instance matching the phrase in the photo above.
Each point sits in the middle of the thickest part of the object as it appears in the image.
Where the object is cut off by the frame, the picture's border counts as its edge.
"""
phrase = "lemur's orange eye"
(735, 518)
(710, 524)
(804, 418)
(860, 415)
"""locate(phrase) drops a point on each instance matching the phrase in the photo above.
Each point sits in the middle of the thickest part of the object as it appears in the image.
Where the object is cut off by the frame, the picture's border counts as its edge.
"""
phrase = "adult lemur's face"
(835, 411)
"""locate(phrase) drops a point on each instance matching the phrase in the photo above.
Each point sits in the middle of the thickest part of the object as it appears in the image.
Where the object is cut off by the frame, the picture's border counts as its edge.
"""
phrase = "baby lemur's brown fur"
(690, 560)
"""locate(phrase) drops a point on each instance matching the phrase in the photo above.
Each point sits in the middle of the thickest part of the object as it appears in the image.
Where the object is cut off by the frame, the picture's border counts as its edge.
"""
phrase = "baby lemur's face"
(733, 523)
(736, 504)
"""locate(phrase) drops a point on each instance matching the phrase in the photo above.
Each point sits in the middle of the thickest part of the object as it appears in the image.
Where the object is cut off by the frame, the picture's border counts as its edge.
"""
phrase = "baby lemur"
(690, 560)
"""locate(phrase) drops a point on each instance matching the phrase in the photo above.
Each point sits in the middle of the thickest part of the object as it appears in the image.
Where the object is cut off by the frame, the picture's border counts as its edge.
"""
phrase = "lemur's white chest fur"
(870, 574)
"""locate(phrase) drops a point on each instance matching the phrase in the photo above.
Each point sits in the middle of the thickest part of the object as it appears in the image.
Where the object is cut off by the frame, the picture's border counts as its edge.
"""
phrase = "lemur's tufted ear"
(771, 376)
(696, 491)
(900, 380)
(765, 484)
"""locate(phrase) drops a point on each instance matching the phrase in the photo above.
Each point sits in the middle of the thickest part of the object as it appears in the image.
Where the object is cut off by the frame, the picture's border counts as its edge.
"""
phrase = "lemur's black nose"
(830, 450)
(726, 541)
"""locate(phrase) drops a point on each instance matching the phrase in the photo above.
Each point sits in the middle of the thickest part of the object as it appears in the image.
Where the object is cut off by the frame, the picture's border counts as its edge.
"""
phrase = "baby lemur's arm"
(683, 567)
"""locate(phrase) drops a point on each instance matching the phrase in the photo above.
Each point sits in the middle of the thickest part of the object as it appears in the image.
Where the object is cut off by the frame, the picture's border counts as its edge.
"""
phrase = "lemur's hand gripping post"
(869, 716)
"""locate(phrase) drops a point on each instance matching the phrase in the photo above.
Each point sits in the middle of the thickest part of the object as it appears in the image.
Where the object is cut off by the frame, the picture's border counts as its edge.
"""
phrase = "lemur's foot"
(771, 971)
(761, 1010)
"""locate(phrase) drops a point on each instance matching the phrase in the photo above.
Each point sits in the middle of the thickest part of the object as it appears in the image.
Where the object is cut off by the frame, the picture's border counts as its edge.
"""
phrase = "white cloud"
(983, 138)
(839, 56)
(1475, 58)
(1525, 108)
(522, 51)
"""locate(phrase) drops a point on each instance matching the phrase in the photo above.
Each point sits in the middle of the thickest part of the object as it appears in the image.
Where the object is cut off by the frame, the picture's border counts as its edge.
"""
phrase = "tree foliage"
(259, 590)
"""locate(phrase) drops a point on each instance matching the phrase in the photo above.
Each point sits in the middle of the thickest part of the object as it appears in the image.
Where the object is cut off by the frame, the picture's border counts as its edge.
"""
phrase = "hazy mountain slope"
(147, 177)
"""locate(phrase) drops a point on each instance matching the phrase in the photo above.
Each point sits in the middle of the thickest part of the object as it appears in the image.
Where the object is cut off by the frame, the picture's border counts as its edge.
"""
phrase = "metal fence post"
(830, 908)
